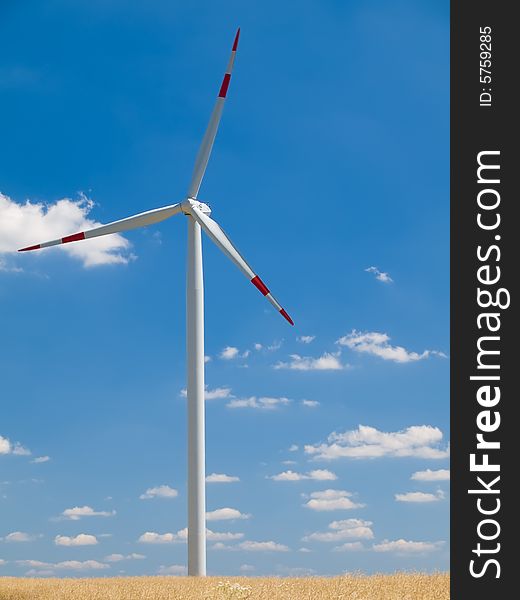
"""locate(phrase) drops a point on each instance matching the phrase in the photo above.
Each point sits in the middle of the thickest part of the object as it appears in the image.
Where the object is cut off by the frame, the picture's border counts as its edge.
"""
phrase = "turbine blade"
(141, 220)
(217, 234)
(201, 162)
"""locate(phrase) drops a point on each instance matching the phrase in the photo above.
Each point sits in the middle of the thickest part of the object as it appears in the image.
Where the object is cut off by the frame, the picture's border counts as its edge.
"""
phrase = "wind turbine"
(199, 219)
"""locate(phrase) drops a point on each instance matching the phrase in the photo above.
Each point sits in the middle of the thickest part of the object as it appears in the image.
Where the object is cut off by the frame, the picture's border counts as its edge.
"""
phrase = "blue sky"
(332, 157)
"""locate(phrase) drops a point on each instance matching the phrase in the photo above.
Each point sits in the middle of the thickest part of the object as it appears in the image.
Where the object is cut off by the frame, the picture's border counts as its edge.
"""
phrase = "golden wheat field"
(399, 586)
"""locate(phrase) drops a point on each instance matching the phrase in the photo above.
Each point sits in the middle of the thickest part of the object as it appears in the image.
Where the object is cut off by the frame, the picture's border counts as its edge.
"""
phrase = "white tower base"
(195, 357)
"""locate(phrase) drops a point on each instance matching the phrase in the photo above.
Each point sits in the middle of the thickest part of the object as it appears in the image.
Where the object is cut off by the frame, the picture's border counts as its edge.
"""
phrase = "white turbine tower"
(199, 218)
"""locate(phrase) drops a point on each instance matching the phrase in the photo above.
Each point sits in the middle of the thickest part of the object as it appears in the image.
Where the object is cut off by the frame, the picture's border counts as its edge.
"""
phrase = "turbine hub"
(189, 202)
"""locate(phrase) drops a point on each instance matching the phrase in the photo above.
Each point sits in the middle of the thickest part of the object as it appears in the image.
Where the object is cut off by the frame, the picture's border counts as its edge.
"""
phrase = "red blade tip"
(235, 43)
(286, 316)
(37, 247)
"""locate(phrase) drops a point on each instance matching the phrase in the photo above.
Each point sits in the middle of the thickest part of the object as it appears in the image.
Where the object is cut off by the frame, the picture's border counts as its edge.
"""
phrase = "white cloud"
(407, 547)
(8, 447)
(214, 394)
(305, 339)
(420, 441)
(221, 478)
(229, 353)
(225, 514)
(19, 536)
(161, 491)
(78, 512)
(270, 546)
(304, 550)
(293, 448)
(326, 362)
(264, 403)
(316, 475)
(77, 565)
(251, 546)
(41, 459)
(349, 547)
(33, 563)
(31, 223)
(420, 497)
(222, 536)
(346, 529)
(2, 562)
(172, 570)
(82, 539)
(257, 346)
(429, 475)
(218, 393)
(120, 557)
(332, 500)
(380, 275)
(150, 537)
(276, 345)
(207, 359)
(377, 344)
(310, 403)
(246, 568)
(45, 568)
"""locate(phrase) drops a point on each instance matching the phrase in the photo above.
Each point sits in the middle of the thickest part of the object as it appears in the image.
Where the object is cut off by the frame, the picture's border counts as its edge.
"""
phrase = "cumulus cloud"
(161, 491)
(229, 353)
(326, 362)
(264, 403)
(151, 537)
(305, 339)
(251, 546)
(327, 500)
(377, 344)
(172, 570)
(120, 557)
(15, 448)
(293, 448)
(276, 345)
(19, 536)
(420, 441)
(407, 547)
(420, 497)
(380, 275)
(346, 529)
(78, 512)
(218, 393)
(270, 546)
(429, 475)
(41, 459)
(310, 403)
(316, 475)
(222, 536)
(221, 478)
(349, 547)
(24, 224)
(45, 568)
(225, 514)
(82, 539)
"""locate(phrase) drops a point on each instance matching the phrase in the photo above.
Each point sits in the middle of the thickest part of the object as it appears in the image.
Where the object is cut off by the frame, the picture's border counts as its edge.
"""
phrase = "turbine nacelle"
(188, 204)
